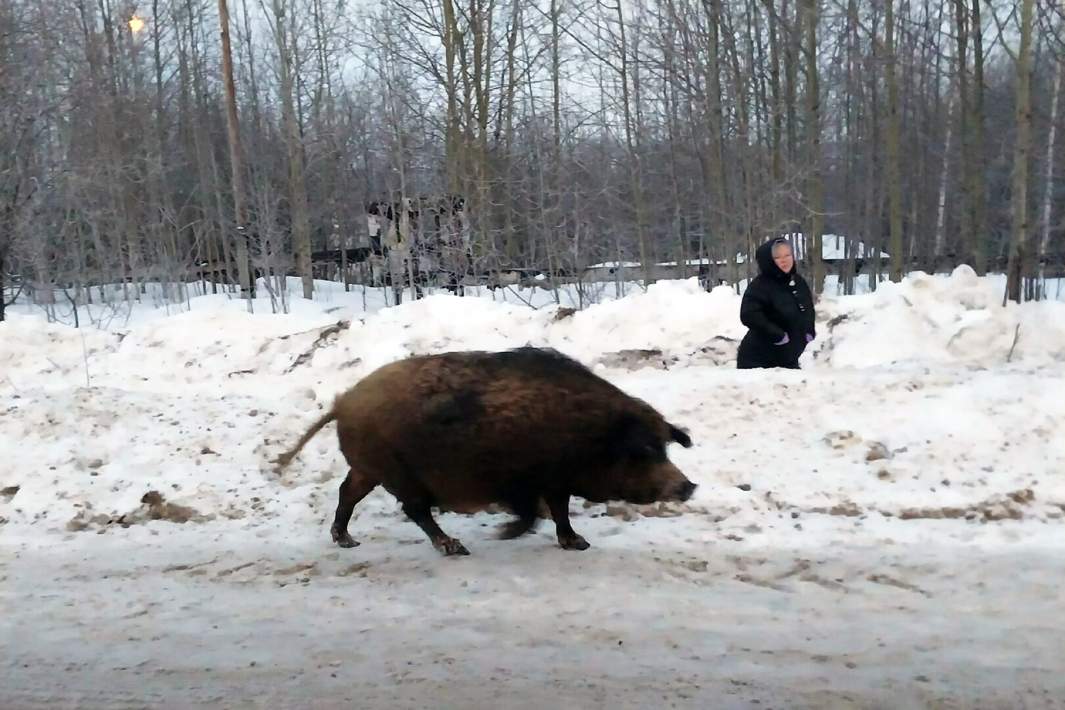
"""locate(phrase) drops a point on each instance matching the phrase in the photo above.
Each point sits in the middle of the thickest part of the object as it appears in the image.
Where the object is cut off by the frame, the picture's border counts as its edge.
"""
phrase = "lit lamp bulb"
(136, 24)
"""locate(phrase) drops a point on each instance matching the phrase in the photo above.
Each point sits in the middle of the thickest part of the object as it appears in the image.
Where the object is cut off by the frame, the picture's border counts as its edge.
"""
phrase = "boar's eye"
(649, 452)
(632, 438)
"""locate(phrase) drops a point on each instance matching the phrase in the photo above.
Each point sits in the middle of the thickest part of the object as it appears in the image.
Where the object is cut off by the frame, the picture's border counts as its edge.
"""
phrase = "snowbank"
(925, 319)
(957, 318)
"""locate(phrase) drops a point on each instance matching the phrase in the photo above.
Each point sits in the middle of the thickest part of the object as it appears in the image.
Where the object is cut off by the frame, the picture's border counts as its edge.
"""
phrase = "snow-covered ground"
(885, 528)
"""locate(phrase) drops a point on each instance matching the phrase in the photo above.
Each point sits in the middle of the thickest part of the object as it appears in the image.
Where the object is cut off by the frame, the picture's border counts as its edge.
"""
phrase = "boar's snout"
(681, 490)
(674, 485)
(687, 488)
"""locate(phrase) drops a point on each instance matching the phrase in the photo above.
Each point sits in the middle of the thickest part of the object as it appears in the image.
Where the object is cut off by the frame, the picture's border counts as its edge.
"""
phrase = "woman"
(778, 310)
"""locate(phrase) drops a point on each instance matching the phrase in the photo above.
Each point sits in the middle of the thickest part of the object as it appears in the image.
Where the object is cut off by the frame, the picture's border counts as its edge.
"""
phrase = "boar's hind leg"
(419, 511)
(354, 488)
(525, 507)
(567, 538)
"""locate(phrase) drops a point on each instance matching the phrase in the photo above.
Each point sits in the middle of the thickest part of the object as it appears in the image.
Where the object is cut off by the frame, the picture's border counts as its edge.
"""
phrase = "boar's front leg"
(567, 538)
(419, 511)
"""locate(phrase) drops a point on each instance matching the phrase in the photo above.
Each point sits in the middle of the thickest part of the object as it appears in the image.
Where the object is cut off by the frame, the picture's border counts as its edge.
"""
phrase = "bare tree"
(815, 184)
(282, 22)
(1019, 250)
(891, 145)
(236, 159)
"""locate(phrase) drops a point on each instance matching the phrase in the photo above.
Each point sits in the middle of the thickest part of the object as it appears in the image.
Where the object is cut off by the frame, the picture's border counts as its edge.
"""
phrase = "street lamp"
(136, 24)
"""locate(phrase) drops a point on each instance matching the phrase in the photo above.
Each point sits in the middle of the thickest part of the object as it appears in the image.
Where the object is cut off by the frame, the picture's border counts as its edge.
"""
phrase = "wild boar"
(463, 430)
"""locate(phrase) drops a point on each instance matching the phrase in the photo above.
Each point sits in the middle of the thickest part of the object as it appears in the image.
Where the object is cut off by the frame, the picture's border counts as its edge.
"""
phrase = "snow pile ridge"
(924, 319)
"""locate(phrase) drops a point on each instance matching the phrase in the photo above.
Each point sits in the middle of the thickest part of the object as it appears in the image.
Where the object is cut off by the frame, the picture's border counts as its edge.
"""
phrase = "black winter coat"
(773, 305)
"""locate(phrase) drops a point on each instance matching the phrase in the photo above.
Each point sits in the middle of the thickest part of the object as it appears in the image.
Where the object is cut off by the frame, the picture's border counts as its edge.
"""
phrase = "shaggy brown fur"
(464, 430)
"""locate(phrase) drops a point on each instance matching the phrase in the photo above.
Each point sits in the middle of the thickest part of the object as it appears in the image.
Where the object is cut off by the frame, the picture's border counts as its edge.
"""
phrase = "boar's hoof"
(450, 546)
(573, 542)
(343, 538)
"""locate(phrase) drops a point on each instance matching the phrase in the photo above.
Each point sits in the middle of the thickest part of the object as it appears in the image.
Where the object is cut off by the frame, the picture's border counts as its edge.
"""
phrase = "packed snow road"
(207, 618)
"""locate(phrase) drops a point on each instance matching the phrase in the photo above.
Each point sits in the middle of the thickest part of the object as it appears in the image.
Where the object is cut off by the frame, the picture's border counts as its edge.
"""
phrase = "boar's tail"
(286, 458)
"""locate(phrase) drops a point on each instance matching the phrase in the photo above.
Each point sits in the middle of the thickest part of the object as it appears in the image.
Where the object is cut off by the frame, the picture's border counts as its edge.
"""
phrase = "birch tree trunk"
(1044, 242)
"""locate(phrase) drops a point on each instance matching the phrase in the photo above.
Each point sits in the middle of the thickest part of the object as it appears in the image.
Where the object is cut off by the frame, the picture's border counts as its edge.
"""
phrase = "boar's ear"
(680, 436)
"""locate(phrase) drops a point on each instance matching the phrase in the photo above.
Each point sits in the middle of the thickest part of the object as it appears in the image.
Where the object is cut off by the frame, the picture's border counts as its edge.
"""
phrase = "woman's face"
(782, 258)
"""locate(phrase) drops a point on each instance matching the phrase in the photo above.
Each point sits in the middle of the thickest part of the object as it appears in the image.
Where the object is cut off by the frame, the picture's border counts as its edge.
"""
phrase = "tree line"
(140, 139)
